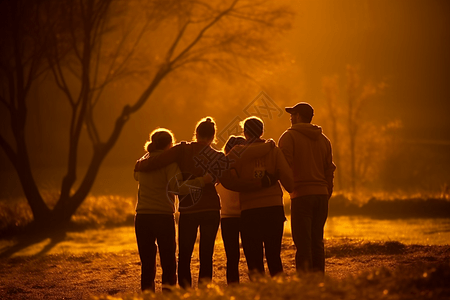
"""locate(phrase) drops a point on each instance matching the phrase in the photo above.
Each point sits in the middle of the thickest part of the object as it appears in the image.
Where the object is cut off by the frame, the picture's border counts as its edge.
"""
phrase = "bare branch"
(116, 56)
(120, 69)
(177, 40)
(133, 48)
(250, 18)
(60, 81)
(100, 19)
(200, 35)
(72, 34)
(98, 58)
(92, 130)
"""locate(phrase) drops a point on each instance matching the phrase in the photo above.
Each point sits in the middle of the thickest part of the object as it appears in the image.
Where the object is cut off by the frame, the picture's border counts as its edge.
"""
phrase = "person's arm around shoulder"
(178, 185)
(245, 152)
(150, 163)
(330, 167)
(136, 173)
(286, 144)
(284, 171)
(230, 179)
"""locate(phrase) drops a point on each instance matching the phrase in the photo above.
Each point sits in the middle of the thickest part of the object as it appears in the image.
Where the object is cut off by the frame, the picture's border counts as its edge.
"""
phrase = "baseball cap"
(302, 108)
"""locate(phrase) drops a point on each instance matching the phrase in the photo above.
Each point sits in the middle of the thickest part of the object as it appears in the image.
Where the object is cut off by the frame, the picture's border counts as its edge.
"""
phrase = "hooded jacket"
(157, 188)
(308, 152)
(255, 164)
(195, 160)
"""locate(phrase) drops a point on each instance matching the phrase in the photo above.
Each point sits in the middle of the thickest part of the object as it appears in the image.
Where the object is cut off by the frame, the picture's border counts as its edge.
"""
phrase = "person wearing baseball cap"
(308, 151)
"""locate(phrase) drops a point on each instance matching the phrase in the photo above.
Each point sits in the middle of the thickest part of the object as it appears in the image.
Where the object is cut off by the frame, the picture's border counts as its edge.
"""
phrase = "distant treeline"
(391, 209)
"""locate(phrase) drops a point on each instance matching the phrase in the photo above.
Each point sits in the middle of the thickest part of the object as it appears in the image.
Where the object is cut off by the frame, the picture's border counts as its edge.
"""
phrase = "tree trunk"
(40, 210)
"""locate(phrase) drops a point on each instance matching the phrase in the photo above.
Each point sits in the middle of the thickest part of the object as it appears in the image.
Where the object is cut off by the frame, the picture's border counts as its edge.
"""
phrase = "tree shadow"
(28, 239)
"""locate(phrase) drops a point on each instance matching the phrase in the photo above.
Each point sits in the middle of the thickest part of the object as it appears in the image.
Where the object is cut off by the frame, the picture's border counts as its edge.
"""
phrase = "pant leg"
(146, 238)
(167, 247)
(252, 242)
(273, 236)
(301, 226)
(230, 235)
(187, 234)
(209, 224)
(317, 246)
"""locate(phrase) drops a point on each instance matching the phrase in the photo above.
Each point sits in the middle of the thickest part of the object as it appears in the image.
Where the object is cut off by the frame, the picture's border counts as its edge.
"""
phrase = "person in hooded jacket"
(262, 211)
(308, 152)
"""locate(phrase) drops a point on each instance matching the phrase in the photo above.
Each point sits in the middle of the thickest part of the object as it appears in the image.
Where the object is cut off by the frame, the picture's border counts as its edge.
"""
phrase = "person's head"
(205, 131)
(233, 141)
(253, 128)
(160, 139)
(301, 112)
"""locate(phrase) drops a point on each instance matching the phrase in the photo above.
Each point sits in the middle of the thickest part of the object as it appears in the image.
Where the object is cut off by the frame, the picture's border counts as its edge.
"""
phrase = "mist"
(404, 45)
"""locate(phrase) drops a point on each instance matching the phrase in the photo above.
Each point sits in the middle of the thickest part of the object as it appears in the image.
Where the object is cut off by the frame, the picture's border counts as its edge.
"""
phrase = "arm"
(229, 177)
(231, 181)
(177, 185)
(285, 172)
(150, 163)
(329, 170)
(286, 144)
(253, 150)
(225, 171)
(136, 173)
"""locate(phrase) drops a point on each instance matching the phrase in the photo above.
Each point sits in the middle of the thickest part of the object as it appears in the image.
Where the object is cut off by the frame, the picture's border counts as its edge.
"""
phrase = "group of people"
(238, 189)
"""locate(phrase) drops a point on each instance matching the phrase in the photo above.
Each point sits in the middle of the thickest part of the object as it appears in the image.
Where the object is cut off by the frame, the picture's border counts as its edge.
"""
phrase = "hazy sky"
(404, 42)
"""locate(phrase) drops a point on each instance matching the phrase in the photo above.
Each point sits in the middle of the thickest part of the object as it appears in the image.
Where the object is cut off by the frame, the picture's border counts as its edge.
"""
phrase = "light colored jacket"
(229, 202)
(157, 188)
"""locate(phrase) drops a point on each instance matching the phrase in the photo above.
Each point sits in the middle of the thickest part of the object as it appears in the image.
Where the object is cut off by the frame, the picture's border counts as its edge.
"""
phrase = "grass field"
(86, 264)
(354, 270)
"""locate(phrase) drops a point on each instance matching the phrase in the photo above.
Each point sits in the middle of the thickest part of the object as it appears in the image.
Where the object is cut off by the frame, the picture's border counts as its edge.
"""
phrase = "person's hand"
(137, 164)
(272, 143)
(268, 179)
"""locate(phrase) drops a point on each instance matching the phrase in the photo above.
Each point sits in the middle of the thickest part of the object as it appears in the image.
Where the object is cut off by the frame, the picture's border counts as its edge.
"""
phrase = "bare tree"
(357, 96)
(356, 141)
(331, 92)
(98, 42)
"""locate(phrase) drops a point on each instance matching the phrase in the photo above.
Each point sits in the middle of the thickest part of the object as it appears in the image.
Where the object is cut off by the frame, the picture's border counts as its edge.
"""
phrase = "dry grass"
(95, 212)
(348, 263)
(354, 268)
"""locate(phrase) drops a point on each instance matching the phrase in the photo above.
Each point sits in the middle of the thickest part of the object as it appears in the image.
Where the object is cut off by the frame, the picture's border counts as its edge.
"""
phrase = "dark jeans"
(308, 216)
(262, 231)
(230, 236)
(208, 221)
(150, 228)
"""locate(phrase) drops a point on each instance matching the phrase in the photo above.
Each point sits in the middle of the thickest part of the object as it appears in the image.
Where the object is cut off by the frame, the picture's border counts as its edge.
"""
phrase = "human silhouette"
(230, 219)
(154, 220)
(198, 210)
(262, 211)
(308, 151)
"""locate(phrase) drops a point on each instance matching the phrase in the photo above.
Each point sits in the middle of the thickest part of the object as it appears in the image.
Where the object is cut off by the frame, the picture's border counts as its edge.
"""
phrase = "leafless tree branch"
(200, 34)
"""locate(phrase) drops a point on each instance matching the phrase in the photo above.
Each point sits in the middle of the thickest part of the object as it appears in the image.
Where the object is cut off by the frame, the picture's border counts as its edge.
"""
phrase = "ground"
(79, 276)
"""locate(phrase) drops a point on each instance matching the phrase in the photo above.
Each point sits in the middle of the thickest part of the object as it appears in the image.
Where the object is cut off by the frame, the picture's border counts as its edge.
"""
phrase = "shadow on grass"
(32, 236)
